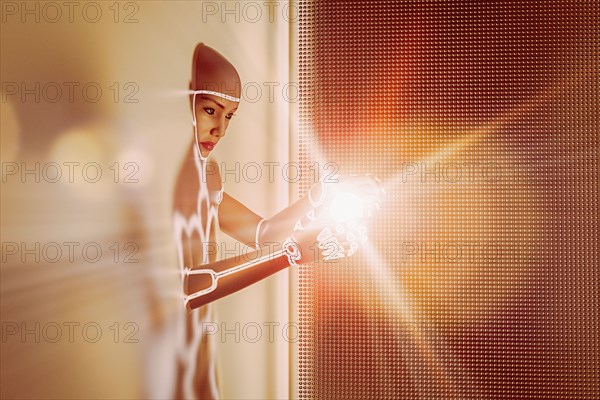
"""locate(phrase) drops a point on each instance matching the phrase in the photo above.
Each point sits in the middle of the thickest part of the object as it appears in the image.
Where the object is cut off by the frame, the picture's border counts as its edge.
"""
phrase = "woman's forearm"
(210, 282)
(281, 225)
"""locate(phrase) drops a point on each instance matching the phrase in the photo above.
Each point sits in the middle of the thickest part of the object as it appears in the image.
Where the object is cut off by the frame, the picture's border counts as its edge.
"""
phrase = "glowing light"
(346, 206)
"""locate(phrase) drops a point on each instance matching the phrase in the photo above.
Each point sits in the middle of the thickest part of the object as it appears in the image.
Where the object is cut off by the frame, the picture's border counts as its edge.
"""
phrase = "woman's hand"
(336, 224)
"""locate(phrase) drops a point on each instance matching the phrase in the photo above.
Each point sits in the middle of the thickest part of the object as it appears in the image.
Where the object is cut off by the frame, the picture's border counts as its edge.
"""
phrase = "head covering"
(213, 74)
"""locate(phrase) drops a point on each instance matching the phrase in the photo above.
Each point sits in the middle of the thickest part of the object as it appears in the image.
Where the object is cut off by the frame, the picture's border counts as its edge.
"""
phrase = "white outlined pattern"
(185, 228)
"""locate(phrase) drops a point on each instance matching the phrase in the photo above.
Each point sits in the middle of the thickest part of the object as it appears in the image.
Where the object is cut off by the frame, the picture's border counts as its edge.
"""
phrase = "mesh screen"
(481, 276)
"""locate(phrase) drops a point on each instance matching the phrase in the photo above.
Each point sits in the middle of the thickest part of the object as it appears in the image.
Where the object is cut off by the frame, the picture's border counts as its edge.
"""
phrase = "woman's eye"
(209, 111)
(229, 116)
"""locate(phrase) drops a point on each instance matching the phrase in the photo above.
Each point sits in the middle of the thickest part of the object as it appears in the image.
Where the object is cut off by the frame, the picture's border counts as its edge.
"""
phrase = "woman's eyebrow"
(214, 101)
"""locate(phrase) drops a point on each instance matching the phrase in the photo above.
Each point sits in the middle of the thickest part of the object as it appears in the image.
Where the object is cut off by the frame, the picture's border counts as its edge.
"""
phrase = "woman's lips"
(208, 145)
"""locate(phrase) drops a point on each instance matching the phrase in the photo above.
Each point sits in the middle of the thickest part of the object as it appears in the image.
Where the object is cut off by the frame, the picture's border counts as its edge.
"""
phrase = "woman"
(301, 233)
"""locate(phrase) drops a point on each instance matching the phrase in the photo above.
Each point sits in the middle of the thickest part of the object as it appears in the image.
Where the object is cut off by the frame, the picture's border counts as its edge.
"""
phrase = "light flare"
(346, 206)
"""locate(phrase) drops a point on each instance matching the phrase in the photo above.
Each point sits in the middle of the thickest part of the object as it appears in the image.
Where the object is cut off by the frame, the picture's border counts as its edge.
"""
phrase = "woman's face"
(213, 114)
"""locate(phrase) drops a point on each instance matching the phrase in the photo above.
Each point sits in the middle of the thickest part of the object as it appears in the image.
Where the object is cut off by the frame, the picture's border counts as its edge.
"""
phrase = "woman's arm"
(237, 220)
(298, 234)
(242, 224)
(209, 282)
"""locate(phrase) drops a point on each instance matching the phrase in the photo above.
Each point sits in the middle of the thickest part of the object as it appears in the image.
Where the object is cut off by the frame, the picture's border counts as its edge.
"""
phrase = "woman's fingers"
(324, 233)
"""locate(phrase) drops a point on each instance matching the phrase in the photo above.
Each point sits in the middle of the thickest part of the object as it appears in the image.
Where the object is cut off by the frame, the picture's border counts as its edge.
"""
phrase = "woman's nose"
(219, 129)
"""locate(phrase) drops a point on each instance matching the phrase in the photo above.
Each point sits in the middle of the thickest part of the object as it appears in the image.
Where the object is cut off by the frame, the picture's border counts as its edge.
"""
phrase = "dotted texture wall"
(481, 276)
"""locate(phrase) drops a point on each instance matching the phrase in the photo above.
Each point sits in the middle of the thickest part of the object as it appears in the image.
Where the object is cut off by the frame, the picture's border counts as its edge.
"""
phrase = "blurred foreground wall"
(94, 126)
